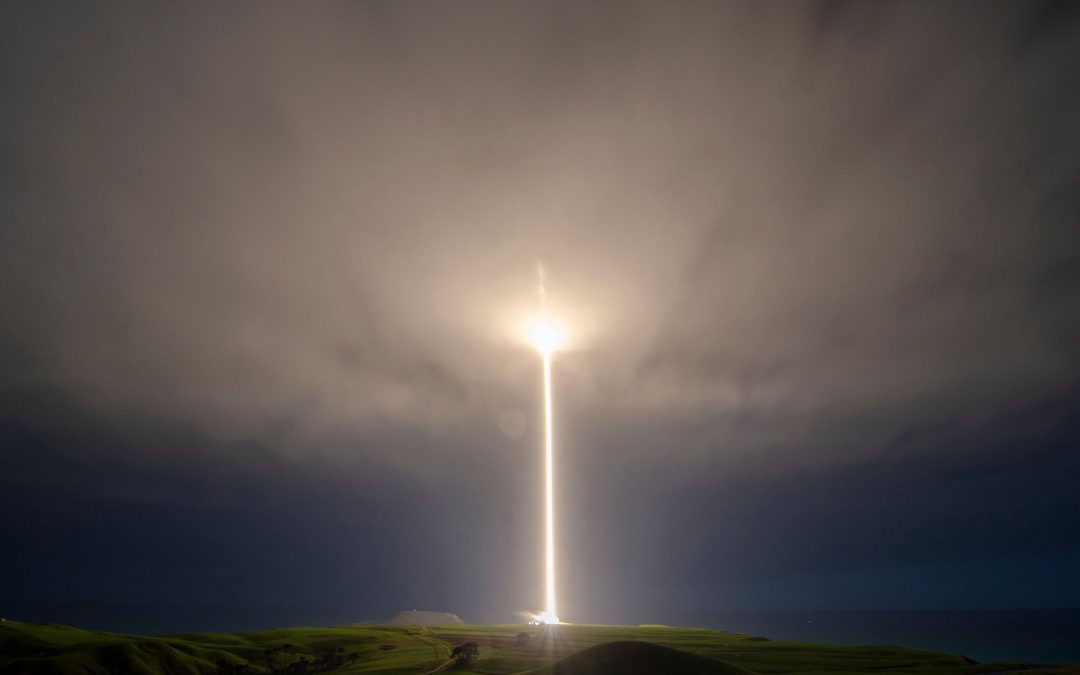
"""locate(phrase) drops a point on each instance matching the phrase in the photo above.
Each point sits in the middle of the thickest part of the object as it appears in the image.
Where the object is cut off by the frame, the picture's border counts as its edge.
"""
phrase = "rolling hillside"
(47, 649)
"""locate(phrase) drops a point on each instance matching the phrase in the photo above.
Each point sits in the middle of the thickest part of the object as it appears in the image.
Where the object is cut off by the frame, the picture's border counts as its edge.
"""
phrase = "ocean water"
(1049, 636)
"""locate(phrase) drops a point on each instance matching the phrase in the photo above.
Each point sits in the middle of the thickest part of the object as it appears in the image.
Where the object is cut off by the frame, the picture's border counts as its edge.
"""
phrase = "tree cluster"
(226, 667)
(283, 660)
(465, 653)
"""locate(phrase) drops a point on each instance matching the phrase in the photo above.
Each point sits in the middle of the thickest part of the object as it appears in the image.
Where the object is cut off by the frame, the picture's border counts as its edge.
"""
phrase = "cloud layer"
(782, 238)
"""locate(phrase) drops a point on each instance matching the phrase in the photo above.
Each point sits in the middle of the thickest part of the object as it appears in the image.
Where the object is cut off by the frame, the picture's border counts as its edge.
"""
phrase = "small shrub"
(465, 653)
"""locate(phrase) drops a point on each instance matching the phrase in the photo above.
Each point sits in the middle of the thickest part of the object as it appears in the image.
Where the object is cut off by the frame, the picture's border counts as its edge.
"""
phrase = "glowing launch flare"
(549, 492)
(546, 337)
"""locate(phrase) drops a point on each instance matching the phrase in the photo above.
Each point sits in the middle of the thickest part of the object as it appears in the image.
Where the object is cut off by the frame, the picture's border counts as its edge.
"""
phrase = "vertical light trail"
(546, 337)
(549, 493)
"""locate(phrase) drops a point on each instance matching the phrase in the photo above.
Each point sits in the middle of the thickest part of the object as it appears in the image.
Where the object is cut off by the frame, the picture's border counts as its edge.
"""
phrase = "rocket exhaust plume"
(546, 337)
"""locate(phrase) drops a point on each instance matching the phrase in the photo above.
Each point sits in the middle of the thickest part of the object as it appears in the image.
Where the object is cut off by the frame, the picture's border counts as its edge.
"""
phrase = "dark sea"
(1050, 636)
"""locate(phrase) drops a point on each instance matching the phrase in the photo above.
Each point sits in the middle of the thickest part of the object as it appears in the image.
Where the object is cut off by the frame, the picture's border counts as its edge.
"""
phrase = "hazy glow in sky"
(265, 268)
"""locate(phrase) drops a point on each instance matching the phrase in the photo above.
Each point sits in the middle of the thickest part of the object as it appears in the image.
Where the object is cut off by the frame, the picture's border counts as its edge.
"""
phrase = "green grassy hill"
(392, 650)
(633, 657)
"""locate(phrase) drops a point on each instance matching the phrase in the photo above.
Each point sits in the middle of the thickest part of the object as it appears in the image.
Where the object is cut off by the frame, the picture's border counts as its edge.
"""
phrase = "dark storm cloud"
(785, 238)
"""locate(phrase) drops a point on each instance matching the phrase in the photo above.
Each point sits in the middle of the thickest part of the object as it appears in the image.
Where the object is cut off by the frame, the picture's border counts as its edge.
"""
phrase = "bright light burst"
(545, 335)
(544, 619)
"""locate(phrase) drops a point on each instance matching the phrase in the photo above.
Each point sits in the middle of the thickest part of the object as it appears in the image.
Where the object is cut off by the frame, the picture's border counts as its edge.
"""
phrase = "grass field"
(38, 649)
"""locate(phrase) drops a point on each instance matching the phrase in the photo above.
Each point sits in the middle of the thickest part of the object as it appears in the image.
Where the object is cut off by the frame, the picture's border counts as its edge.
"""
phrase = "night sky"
(264, 269)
